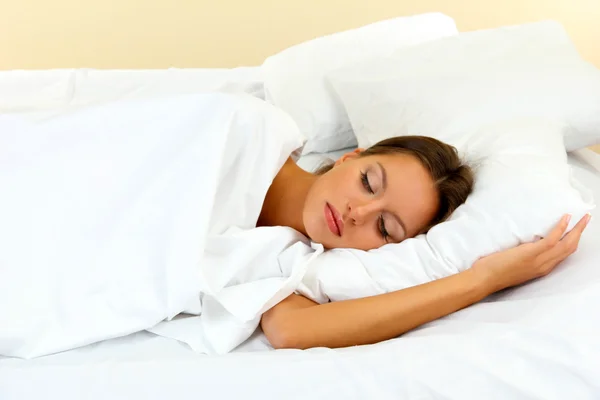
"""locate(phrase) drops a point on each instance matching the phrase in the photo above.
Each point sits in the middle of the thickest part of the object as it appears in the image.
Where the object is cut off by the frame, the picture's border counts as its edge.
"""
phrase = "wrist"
(483, 280)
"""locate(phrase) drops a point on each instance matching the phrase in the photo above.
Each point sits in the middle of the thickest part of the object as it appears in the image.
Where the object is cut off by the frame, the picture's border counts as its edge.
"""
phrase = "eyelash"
(384, 232)
(365, 181)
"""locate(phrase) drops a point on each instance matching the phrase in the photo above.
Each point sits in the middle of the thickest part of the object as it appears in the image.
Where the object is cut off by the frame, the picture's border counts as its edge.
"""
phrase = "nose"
(359, 213)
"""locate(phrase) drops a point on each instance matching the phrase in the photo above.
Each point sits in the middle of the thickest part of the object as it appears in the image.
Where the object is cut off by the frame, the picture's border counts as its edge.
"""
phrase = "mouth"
(334, 221)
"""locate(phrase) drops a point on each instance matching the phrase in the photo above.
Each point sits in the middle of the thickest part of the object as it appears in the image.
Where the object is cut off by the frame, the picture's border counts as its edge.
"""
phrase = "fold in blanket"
(117, 217)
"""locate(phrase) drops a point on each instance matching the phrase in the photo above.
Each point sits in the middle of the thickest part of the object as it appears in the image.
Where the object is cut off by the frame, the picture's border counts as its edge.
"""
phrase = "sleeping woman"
(392, 191)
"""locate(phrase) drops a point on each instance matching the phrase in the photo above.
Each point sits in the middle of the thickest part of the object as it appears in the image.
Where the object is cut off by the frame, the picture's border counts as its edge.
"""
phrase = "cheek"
(313, 208)
(326, 187)
(316, 194)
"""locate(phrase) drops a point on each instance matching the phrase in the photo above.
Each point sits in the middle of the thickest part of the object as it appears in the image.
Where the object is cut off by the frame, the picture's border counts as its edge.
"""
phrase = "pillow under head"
(523, 186)
(506, 98)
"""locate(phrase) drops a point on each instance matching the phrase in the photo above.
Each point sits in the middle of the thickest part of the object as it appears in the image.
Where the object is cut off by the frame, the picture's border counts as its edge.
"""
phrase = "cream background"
(39, 34)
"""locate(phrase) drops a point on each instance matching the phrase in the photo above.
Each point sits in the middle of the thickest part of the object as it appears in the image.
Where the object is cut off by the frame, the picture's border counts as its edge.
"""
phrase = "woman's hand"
(530, 260)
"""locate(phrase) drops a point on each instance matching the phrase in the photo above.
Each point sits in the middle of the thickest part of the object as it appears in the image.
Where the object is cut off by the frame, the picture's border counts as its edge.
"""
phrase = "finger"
(581, 225)
(551, 264)
(570, 241)
(556, 256)
(567, 245)
(554, 236)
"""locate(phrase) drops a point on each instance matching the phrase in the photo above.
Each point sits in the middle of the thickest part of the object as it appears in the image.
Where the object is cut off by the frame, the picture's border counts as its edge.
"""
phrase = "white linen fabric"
(120, 216)
(445, 87)
(535, 341)
(107, 213)
(294, 79)
(48, 92)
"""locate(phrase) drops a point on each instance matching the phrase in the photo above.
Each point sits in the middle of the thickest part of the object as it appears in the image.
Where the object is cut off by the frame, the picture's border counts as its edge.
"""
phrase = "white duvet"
(118, 217)
(121, 217)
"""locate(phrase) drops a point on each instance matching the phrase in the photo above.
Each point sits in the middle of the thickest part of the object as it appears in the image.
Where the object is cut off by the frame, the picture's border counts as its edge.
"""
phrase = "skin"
(298, 322)
(380, 199)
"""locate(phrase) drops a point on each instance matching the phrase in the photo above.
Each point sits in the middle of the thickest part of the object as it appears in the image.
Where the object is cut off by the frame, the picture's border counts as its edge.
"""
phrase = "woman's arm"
(300, 323)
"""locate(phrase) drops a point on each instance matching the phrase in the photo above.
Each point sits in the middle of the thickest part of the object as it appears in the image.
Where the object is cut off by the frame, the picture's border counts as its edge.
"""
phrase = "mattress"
(535, 341)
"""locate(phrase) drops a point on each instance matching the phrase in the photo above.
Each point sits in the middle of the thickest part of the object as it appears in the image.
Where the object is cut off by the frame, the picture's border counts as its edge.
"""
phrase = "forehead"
(402, 161)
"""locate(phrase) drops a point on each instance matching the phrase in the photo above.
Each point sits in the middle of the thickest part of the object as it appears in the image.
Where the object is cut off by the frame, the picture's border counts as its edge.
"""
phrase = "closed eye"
(365, 181)
(382, 230)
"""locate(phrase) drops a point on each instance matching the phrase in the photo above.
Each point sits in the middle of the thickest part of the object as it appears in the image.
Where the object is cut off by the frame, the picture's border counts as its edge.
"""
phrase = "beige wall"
(227, 33)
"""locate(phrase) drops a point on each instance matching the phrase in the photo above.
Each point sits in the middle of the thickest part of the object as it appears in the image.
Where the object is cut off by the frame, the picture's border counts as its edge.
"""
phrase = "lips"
(334, 220)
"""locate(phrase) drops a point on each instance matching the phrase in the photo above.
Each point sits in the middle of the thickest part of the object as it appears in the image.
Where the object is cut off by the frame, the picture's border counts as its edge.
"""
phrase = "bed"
(485, 351)
(490, 350)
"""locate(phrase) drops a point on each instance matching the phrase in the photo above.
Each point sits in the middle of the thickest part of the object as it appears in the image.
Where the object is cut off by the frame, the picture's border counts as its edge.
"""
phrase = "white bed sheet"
(486, 351)
(50, 91)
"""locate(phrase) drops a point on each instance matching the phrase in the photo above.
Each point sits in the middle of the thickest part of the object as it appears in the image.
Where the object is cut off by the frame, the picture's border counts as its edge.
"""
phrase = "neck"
(285, 198)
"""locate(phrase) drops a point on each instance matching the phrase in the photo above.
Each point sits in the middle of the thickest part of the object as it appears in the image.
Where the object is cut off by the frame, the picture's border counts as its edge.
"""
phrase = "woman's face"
(366, 202)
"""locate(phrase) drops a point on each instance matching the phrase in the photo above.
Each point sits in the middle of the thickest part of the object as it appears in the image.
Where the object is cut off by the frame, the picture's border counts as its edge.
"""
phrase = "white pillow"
(451, 85)
(523, 187)
(475, 91)
(294, 79)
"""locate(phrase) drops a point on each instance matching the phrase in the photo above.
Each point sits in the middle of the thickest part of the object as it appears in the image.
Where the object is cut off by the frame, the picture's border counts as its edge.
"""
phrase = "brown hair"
(453, 178)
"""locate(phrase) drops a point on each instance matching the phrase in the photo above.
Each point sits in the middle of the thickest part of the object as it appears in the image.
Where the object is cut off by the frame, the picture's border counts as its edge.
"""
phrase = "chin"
(327, 242)
(318, 236)
(329, 247)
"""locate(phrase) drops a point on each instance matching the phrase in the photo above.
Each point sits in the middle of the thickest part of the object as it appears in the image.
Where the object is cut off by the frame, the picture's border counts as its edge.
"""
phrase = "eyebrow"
(383, 176)
(384, 185)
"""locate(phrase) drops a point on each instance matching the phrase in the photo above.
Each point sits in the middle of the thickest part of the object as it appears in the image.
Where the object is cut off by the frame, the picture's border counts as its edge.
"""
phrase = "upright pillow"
(294, 79)
(451, 85)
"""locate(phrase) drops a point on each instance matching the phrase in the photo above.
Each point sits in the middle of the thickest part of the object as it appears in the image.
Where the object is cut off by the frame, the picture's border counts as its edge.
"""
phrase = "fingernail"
(588, 218)
(568, 218)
